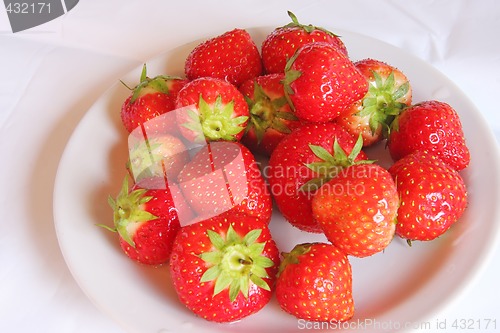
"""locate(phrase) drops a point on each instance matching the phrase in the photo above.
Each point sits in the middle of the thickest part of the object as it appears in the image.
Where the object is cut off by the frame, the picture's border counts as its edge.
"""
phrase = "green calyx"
(128, 209)
(215, 121)
(236, 262)
(265, 114)
(291, 258)
(157, 84)
(307, 28)
(330, 165)
(290, 76)
(381, 102)
(145, 158)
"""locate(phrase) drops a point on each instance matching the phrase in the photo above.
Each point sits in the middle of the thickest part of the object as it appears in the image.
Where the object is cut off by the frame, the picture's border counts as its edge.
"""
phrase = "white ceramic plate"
(398, 288)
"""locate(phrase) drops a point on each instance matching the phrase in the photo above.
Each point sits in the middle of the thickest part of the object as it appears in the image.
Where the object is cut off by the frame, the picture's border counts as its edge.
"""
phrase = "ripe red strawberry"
(433, 196)
(281, 44)
(224, 268)
(434, 126)
(321, 82)
(303, 161)
(388, 93)
(162, 155)
(220, 112)
(271, 118)
(151, 98)
(315, 283)
(357, 209)
(224, 177)
(232, 56)
(147, 219)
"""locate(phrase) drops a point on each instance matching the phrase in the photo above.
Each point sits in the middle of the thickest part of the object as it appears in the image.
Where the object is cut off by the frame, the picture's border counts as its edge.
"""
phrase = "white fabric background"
(51, 74)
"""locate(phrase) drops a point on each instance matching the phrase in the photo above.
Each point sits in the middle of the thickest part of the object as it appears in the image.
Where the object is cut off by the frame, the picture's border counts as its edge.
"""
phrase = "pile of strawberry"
(306, 105)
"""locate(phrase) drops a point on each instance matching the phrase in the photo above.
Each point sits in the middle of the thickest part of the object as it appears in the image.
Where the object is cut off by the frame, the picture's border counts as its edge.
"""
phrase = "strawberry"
(315, 283)
(388, 93)
(224, 177)
(147, 219)
(321, 82)
(303, 161)
(434, 126)
(162, 155)
(232, 56)
(282, 42)
(220, 111)
(270, 115)
(433, 196)
(224, 268)
(151, 98)
(357, 209)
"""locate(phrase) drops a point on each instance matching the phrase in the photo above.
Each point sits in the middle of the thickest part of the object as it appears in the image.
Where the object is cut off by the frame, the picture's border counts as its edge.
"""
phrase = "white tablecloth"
(51, 74)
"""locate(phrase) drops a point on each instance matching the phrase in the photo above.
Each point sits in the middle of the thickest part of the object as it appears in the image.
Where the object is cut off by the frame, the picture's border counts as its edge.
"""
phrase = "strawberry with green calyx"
(213, 110)
(281, 44)
(315, 283)
(224, 177)
(321, 82)
(302, 162)
(147, 219)
(223, 269)
(357, 209)
(151, 98)
(433, 126)
(162, 155)
(388, 94)
(330, 165)
(433, 196)
(232, 56)
(270, 115)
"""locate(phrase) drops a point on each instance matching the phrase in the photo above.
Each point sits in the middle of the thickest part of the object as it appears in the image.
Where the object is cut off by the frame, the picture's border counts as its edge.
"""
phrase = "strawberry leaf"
(234, 290)
(144, 75)
(312, 185)
(401, 91)
(211, 257)
(231, 236)
(252, 236)
(323, 154)
(210, 274)
(222, 282)
(280, 126)
(244, 287)
(265, 262)
(239, 121)
(216, 240)
(257, 247)
(286, 115)
(159, 84)
(259, 282)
